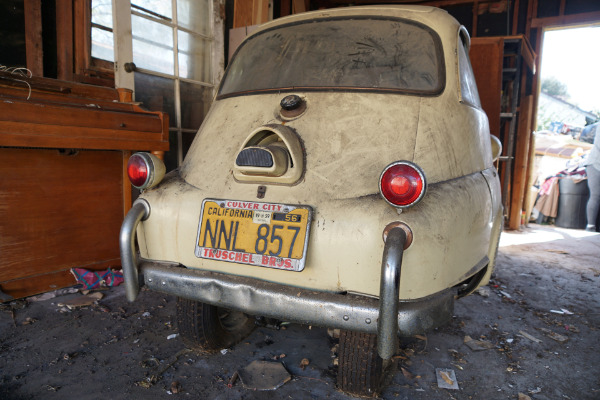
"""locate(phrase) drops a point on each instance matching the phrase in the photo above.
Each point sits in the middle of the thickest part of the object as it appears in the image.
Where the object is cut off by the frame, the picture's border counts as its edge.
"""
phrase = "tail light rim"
(414, 167)
(154, 166)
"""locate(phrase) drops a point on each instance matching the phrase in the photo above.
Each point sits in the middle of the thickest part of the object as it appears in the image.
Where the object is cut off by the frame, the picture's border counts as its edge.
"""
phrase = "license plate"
(246, 232)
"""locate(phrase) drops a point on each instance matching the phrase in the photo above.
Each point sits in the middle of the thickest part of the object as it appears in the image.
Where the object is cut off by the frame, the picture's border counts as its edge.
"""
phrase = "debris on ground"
(523, 396)
(555, 336)
(53, 294)
(446, 379)
(81, 301)
(304, 363)
(175, 388)
(528, 336)
(478, 345)
(173, 336)
(562, 311)
(264, 375)
(483, 291)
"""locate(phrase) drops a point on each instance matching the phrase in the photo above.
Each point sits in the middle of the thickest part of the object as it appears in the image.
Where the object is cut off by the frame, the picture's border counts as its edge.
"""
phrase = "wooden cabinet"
(63, 188)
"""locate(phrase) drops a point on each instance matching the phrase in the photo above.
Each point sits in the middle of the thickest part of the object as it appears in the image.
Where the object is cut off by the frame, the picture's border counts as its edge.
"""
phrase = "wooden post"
(521, 162)
(64, 39)
(33, 37)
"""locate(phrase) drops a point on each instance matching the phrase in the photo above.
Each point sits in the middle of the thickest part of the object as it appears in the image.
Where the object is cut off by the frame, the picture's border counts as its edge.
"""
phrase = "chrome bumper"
(288, 303)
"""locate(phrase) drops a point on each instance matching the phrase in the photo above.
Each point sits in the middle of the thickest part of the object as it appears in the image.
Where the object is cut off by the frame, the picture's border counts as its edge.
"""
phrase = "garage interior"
(83, 86)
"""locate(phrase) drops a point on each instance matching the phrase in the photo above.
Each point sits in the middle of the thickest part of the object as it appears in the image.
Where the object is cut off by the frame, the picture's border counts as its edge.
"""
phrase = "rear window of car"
(376, 54)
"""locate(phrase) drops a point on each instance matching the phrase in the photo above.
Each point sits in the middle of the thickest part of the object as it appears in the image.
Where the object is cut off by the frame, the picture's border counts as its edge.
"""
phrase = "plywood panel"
(486, 58)
(58, 211)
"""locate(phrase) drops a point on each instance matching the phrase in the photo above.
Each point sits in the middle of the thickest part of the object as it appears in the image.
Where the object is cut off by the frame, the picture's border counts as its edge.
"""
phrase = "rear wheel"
(360, 370)
(209, 328)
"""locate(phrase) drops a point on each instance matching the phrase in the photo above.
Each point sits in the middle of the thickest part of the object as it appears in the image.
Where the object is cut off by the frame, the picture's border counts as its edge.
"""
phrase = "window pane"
(156, 94)
(102, 12)
(102, 44)
(194, 15)
(152, 45)
(170, 160)
(194, 57)
(345, 53)
(468, 87)
(195, 101)
(161, 7)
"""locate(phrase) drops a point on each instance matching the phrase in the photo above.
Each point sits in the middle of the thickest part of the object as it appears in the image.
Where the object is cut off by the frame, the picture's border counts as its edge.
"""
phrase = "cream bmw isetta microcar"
(343, 178)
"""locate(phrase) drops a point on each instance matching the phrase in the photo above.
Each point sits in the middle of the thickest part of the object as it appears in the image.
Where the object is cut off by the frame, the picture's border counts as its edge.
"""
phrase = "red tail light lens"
(145, 170)
(137, 170)
(402, 184)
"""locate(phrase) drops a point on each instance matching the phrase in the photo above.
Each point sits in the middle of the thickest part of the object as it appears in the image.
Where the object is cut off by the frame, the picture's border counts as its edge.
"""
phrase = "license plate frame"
(228, 227)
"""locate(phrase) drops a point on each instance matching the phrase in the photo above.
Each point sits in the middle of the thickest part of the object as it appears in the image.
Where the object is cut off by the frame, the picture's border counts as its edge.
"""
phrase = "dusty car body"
(279, 208)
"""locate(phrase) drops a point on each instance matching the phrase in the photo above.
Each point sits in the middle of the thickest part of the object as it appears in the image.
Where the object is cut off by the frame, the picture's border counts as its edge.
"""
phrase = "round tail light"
(402, 184)
(145, 170)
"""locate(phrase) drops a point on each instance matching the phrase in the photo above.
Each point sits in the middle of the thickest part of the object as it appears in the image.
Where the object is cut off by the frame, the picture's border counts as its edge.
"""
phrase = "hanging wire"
(18, 71)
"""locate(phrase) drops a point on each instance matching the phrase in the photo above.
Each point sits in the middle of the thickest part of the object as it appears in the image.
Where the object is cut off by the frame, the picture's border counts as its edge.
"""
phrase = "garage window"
(358, 54)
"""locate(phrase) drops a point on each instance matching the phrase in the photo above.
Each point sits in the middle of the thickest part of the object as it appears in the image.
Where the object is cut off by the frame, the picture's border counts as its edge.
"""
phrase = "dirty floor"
(534, 331)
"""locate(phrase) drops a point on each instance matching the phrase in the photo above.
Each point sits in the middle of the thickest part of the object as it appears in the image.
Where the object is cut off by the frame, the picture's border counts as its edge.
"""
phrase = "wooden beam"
(573, 19)
(33, 37)
(475, 17)
(298, 6)
(521, 162)
(515, 17)
(82, 20)
(285, 8)
(561, 10)
(260, 12)
(64, 39)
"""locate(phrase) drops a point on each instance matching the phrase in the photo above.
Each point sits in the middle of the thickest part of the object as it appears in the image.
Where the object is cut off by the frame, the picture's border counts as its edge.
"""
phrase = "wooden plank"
(242, 13)
(64, 39)
(58, 211)
(34, 135)
(486, 58)
(521, 162)
(79, 116)
(57, 86)
(33, 37)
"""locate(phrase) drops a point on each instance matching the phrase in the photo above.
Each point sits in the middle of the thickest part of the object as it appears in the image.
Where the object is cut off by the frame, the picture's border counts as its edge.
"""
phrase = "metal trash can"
(572, 202)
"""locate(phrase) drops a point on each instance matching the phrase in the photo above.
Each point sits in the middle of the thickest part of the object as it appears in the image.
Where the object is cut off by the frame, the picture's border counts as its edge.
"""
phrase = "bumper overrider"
(386, 316)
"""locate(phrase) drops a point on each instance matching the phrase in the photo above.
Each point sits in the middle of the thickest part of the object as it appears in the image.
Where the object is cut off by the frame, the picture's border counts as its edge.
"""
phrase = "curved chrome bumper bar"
(140, 210)
(389, 318)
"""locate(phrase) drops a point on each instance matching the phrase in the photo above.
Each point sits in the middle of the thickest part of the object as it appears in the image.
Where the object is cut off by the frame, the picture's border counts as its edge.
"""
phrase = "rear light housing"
(402, 184)
(145, 170)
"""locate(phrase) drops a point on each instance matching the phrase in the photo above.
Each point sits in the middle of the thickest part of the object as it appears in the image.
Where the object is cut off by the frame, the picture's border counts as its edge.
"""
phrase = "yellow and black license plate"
(247, 232)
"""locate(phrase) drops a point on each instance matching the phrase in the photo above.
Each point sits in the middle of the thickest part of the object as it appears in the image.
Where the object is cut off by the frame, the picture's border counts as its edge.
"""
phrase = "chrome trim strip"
(140, 210)
(389, 291)
(288, 303)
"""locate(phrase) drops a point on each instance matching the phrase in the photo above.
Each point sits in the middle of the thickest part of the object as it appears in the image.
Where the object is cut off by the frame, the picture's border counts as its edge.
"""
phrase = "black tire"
(360, 370)
(208, 328)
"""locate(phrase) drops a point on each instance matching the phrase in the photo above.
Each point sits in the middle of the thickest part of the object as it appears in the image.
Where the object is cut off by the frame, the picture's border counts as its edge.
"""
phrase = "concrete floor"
(541, 320)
